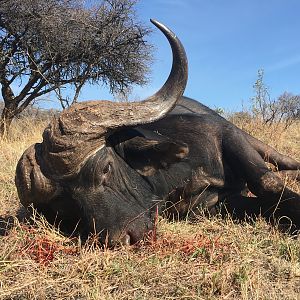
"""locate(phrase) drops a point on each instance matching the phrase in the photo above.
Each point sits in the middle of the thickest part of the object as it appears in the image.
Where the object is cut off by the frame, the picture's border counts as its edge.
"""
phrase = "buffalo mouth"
(131, 238)
(129, 235)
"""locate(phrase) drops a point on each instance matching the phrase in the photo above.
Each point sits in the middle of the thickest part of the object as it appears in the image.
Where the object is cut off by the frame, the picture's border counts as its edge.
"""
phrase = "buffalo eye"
(106, 169)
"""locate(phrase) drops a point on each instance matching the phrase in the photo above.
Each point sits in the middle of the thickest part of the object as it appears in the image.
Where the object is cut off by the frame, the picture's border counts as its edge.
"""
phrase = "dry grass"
(213, 259)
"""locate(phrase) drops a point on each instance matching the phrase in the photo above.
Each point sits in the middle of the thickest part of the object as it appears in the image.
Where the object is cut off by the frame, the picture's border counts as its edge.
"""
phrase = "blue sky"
(226, 41)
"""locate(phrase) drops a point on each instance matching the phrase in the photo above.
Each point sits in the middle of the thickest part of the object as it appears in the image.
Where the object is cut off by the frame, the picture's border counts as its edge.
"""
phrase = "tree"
(285, 108)
(46, 45)
(261, 102)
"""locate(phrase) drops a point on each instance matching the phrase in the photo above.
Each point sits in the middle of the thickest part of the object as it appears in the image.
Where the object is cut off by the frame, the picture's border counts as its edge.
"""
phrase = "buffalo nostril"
(125, 240)
(149, 225)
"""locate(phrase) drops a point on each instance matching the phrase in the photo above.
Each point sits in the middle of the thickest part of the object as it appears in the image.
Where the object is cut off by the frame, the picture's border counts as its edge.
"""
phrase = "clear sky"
(226, 41)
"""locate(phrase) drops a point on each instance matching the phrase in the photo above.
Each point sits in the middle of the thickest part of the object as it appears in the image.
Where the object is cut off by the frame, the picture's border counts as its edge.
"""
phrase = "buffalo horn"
(80, 130)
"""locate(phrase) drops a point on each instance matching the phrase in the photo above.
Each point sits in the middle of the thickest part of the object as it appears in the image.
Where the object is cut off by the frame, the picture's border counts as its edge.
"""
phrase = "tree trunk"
(5, 121)
(9, 110)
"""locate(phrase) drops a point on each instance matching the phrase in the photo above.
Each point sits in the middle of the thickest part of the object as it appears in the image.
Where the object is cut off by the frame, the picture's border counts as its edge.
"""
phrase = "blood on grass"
(41, 248)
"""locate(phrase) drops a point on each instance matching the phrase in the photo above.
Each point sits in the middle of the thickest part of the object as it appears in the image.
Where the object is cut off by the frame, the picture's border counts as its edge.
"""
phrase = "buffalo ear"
(147, 156)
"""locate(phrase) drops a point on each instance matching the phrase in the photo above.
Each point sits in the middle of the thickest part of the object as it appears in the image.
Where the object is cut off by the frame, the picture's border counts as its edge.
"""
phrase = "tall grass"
(210, 259)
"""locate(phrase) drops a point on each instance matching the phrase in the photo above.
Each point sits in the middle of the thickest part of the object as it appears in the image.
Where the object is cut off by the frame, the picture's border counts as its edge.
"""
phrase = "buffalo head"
(80, 171)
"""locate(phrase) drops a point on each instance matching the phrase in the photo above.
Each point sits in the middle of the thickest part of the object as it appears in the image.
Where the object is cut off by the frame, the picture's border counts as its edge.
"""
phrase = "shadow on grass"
(8, 222)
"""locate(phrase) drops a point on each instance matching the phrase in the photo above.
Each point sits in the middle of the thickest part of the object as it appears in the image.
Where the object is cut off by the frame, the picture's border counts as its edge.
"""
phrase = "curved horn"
(80, 130)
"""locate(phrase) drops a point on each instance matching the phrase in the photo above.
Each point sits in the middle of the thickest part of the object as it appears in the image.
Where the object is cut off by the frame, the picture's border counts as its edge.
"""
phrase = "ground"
(208, 259)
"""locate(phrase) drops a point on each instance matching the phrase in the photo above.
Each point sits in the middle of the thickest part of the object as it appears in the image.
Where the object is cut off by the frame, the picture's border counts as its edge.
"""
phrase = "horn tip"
(162, 27)
(155, 22)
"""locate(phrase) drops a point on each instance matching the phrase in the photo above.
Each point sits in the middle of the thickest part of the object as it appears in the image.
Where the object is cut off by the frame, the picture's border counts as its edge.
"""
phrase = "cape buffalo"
(111, 164)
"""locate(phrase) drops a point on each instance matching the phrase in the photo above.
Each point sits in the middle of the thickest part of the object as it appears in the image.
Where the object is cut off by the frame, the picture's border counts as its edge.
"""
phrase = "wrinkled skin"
(191, 160)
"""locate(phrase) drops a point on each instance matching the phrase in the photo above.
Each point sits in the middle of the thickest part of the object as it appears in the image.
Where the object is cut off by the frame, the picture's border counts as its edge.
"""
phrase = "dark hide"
(218, 162)
(223, 160)
(193, 159)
